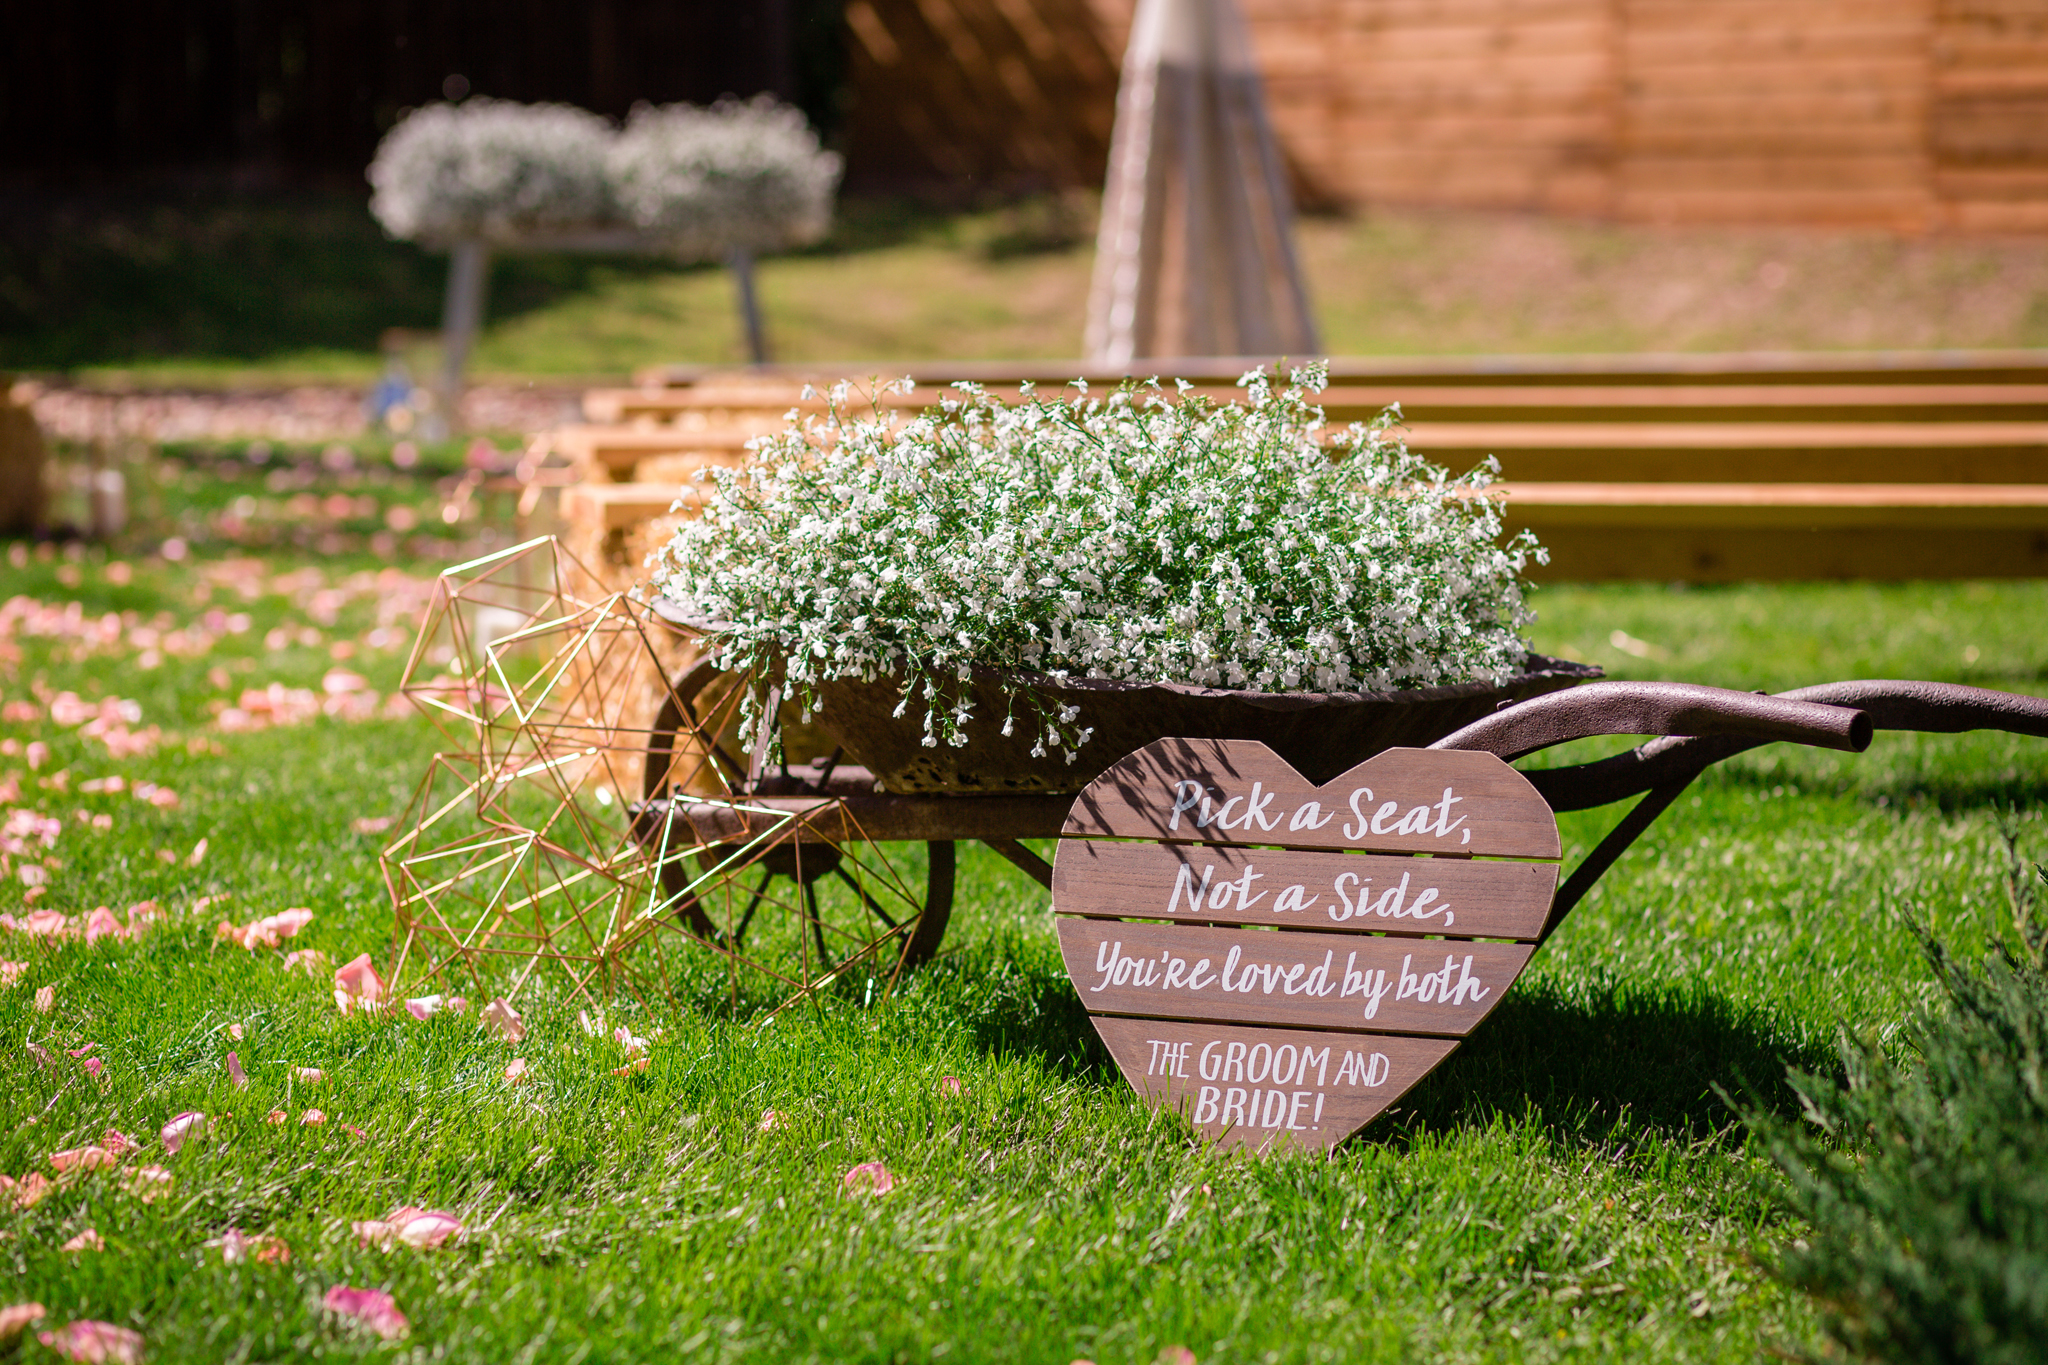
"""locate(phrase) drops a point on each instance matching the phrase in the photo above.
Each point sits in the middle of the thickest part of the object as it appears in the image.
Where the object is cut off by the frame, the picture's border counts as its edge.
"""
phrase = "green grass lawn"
(153, 287)
(1568, 1185)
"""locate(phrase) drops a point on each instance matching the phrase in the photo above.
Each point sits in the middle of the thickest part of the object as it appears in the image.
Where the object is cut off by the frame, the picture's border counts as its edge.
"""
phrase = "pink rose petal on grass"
(79, 1051)
(1176, 1355)
(425, 1007)
(415, 1227)
(949, 1086)
(235, 1073)
(308, 1075)
(102, 924)
(89, 1240)
(27, 1192)
(10, 972)
(93, 1067)
(94, 1343)
(46, 999)
(236, 1246)
(312, 1118)
(311, 961)
(357, 985)
(373, 1308)
(516, 1074)
(770, 1120)
(235, 1032)
(118, 1142)
(182, 1128)
(276, 1116)
(83, 1159)
(15, 1319)
(147, 1183)
(870, 1177)
(500, 1018)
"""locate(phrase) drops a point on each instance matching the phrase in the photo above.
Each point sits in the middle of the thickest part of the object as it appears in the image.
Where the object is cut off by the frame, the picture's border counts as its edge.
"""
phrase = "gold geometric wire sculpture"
(599, 814)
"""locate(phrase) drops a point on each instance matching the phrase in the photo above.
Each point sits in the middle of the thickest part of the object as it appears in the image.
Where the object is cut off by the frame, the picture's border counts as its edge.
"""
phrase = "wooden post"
(741, 260)
(462, 314)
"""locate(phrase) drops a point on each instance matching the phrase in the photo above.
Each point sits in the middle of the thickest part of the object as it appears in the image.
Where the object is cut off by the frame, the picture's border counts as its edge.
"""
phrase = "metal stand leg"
(742, 263)
(461, 316)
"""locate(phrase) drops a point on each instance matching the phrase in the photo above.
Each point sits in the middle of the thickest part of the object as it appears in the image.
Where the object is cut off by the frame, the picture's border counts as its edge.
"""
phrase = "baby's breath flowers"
(1149, 535)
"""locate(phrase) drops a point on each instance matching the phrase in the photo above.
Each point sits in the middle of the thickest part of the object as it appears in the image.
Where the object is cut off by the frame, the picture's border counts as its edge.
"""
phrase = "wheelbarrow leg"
(1604, 855)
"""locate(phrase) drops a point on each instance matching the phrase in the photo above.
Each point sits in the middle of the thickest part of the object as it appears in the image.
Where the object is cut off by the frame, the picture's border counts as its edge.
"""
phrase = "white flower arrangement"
(736, 175)
(492, 170)
(1149, 536)
(692, 182)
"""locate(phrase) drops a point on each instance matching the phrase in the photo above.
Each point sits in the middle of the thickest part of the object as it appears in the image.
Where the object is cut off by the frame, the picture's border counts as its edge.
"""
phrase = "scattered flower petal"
(118, 1142)
(312, 1118)
(949, 1086)
(770, 1120)
(235, 1072)
(190, 1124)
(500, 1018)
(267, 932)
(1176, 1355)
(89, 1240)
(276, 1116)
(102, 924)
(516, 1073)
(457, 1005)
(870, 1177)
(632, 1068)
(28, 1191)
(308, 1075)
(236, 1246)
(370, 824)
(79, 1051)
(147, 1183)
(310, 960)
(94, 1343)
(198, 854)
(235, 1032)
(10, 972)
(14, 1320)
(357, 985)
(83, 1159)
(623, 1036)
(424, 1007)
(93, 1067)
(373, 1308)
(46, 999)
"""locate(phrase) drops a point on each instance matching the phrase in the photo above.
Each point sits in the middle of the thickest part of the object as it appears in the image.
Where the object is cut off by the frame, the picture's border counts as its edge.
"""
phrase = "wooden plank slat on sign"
(1239, 792)
(1345, 982)
(1268, 1088)
(1212, 884)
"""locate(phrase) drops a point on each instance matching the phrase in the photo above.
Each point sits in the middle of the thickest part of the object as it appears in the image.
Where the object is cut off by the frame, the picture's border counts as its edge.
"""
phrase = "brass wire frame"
(519, 848)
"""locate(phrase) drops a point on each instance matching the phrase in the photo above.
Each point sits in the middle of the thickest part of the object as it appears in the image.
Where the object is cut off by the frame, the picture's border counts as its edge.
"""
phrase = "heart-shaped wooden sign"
(1281, 961)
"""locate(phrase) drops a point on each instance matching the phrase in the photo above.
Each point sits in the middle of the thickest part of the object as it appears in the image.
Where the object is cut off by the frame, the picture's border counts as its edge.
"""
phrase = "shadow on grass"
(126, 275)
(1578, 1059)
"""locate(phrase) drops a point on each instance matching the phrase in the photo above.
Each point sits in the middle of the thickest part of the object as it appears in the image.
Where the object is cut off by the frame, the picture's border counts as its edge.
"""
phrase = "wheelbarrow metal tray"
(1321, 733)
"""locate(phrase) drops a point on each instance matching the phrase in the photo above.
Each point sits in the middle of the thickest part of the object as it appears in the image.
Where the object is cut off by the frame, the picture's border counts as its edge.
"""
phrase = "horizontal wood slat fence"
(1700, 468)
(1904, 114)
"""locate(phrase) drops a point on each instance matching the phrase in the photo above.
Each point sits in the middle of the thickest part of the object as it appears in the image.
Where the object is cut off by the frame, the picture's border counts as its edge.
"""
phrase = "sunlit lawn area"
(263, 288)
(1569, 1185)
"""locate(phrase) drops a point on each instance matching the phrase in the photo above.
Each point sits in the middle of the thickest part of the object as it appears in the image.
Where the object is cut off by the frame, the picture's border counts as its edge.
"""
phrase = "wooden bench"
(1678, 467)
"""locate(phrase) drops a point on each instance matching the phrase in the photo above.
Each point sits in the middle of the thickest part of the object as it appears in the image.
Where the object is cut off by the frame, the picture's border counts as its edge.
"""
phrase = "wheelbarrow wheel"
(801, 909)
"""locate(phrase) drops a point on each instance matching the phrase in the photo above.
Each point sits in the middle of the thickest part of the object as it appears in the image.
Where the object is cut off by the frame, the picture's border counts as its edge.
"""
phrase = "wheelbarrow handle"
(1662, 708)
(1697, 727)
